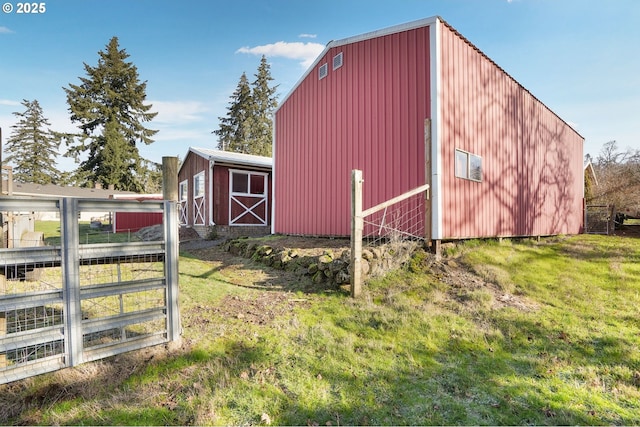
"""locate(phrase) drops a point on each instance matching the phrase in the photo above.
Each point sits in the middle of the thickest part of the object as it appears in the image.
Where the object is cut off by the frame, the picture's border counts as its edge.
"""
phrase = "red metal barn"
(414, 104)
(228, 190)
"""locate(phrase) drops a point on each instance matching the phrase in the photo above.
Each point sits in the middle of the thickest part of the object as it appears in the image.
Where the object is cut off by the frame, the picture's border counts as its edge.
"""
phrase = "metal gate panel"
(73, 303)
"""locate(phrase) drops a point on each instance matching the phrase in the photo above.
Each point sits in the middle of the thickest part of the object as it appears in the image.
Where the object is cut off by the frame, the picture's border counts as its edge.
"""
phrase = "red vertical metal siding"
(368, 114)
(532, 160)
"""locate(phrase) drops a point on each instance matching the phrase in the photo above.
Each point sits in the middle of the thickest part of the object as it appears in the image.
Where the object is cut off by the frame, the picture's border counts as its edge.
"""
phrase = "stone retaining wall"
(234, 232)
(332, 267)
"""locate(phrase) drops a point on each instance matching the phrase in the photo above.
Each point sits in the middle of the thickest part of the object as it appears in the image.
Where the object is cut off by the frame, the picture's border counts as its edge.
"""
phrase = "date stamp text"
(24, 8)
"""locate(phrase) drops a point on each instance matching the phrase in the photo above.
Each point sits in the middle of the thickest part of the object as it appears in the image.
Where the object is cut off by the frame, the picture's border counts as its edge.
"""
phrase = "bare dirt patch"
(261, 310)
(468, 288)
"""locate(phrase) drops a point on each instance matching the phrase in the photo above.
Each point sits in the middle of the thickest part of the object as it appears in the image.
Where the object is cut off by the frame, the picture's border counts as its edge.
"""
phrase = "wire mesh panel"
(404, 220)
(78, 299)
(31, 299)
(123, 299)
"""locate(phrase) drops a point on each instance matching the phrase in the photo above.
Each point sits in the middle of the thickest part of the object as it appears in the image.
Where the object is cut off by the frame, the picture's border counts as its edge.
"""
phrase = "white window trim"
(183, 202)
(468, 165)
(196, 186)
(183, 190)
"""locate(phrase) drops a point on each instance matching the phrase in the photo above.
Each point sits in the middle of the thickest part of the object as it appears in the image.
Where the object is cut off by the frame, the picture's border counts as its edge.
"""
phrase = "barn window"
(182, 190)
(468, 166)
(337, 61)
(323, 71)
(198, 185)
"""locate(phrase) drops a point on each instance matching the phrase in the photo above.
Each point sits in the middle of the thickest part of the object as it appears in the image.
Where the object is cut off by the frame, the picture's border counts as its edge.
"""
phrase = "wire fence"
(393, 229)
(404, 220)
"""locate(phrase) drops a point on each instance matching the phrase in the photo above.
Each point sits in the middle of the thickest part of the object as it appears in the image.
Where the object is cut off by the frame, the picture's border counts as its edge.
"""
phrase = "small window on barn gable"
(323, 71)
(198, 185)
(337, 61)
(468, 166)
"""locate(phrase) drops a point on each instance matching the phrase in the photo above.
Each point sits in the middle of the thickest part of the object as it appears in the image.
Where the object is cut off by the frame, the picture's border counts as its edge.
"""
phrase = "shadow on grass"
(399, 361)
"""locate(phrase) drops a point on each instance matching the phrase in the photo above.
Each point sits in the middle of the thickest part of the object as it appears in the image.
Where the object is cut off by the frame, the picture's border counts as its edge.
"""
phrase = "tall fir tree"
(247, 127)
(265, 102)
(33, 147)
(233, 132)
(109, 107)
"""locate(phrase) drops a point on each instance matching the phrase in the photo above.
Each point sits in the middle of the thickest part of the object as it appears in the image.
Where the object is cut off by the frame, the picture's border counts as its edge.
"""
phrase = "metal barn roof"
(230, 157)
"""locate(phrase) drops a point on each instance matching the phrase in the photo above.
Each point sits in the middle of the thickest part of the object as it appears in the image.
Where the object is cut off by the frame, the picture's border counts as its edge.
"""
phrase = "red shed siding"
(221, 195)
(368, 114)
(194, 164)
(134, 221)
(219, 199)
(532, 160)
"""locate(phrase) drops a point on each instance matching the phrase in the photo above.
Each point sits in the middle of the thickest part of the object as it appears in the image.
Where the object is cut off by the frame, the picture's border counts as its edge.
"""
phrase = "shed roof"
(232, 158)
(588, 168)
(52, 190)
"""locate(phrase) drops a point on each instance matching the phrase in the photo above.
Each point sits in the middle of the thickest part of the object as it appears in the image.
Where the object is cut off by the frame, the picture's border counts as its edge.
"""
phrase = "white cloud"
(308, 36)
(5, 30)
(9, 102)
(178, 112)
(306, 53)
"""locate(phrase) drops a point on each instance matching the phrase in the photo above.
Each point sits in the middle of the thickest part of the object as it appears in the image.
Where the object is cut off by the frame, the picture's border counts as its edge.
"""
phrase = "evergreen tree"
(109, 107)
(233, 132)
(32, 147)
(247, 128)
(265, 102)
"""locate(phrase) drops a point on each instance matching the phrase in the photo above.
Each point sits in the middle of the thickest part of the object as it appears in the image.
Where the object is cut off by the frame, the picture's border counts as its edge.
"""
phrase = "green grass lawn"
(87, 235)
(508, 333)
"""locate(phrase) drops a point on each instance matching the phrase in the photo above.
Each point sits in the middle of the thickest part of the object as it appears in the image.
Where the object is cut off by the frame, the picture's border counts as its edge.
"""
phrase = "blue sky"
(581, 58)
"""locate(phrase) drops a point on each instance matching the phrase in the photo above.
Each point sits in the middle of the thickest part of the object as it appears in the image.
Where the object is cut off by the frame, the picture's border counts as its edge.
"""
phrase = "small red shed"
(134, 221)
(419, 104)
(228, 190)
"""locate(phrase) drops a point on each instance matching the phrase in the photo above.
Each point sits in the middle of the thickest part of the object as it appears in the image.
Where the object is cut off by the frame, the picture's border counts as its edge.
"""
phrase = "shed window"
(468, 166)
(198, 185)
(337, 61)
(182, 190)
(323, 71)
(240, 183)
(249, 183)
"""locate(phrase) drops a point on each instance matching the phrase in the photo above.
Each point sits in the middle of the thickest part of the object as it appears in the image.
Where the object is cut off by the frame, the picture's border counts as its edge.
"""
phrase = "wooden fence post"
(356, 232)
(170, 178)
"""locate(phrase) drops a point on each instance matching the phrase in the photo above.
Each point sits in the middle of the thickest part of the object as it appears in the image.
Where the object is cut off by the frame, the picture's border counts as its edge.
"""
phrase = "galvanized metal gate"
(69, 303)
(599, 219)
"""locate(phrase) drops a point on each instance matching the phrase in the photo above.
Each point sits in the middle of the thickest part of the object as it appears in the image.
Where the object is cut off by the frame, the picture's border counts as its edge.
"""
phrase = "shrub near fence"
(72, 303)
